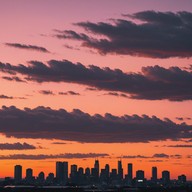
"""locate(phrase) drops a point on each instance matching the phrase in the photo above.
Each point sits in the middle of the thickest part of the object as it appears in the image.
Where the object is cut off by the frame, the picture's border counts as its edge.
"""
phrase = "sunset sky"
(96, 79)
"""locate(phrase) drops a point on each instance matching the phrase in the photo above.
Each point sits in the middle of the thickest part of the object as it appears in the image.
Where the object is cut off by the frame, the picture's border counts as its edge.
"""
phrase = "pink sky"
(33, 23)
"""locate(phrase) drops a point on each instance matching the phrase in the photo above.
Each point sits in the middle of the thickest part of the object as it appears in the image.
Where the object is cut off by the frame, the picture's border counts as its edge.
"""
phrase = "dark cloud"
(10, 97)
(27, 47)
(183, 118)
(156, 35)
(117, 94)
(17, 79)
(16, 146)
(158, 160)
(152, 83)
(60, 143)
(69, 93)
(179, 146)
(91, 89)
(71, 47)
(42, 122)
(135, 157)
(20, 98)
(46, 92)
(180, 118)
(59, 156)
(177, 156)
(157, 155)
(6, 97)
(160, 155)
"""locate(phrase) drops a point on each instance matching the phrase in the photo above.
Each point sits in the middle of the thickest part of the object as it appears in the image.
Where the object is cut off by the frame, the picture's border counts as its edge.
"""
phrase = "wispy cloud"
(10, 97)
(179, 146)
(17, 79)
(60, 143)
(27, 47)
(57, 156)
(69, 93)
(183, 118)
(117, 94)
(16, 146)
(155, 156)
(46, 92)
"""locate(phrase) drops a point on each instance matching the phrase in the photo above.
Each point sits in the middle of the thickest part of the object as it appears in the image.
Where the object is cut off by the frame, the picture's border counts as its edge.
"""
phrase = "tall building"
(50, 178)
(165, 177)
(107, 169)
(29, 175)
(96, 166)
(41, 177)
(182, 179)
(73, 169)
(87, 172)
(140, 175)
(74, 174)
(113, 175)
(87, 175)
(80, 171)
(154, 174)
(120, 170)
(18, 173)
(130, 171)
(65, 165)
(61, 172)
(94, 174)
(140, 178)
(81, 177)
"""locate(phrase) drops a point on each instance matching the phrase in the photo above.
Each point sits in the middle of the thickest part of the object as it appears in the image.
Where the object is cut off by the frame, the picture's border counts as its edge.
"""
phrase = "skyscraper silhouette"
(74, 174)
(41, 178)
(18, 173)
(130, 171)
(120, 170)
(165, 177)
(65, 165)
(62, 172)
(29, 175)
(140, 175)
(96, 166)
(107, 169)
(154, 174)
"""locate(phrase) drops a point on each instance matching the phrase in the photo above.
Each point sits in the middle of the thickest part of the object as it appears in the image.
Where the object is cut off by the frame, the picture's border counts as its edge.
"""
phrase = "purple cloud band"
(46, 123)
(152, 83)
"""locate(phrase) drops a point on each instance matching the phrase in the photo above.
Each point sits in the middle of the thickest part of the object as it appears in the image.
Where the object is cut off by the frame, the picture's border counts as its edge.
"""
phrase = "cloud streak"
(156, 35)
(27, 47)
(179, 146)
(46, 92)
(152, 83)
(16, 146)
(17, 79)
(57, 156)
(117, 94)
(69, 93)
(155, 156)
(47, 123)
(10, 97)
